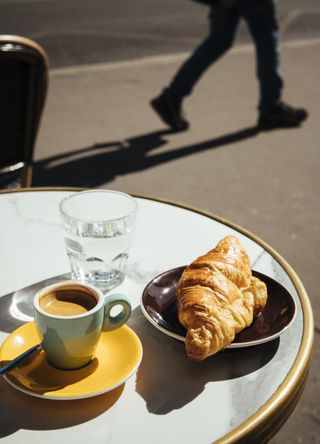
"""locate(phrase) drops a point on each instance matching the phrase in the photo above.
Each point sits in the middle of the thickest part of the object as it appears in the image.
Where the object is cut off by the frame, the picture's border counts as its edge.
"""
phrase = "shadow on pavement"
(100, 163)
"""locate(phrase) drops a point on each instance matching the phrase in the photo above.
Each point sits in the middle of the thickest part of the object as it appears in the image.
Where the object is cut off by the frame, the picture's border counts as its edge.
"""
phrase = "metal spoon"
(16, 361)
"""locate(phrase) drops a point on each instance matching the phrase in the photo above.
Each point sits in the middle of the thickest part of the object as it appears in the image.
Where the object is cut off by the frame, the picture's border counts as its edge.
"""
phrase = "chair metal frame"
(34, 56)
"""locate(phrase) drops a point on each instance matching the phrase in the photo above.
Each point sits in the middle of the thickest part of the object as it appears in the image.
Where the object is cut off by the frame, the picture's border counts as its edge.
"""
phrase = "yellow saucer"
(118, 356)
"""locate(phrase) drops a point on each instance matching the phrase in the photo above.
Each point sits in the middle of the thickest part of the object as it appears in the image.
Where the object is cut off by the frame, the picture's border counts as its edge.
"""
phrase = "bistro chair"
(23, 89)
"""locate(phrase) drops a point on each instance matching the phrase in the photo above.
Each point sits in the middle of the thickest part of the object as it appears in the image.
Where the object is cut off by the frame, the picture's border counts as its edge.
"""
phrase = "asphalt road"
(76, 32)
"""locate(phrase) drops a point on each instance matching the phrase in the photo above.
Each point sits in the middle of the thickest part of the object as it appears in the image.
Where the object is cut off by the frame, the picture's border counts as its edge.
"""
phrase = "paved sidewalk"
(98, 130)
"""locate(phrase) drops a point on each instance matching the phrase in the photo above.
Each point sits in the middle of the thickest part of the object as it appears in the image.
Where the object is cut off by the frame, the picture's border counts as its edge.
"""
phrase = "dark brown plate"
(159, 306)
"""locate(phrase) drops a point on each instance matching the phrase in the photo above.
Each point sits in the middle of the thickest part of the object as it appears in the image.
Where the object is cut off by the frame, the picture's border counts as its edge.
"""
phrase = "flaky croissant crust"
(217, 297)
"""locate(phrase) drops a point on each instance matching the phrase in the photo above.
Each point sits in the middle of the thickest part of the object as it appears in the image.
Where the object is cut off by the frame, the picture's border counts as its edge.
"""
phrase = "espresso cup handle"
(113, 322)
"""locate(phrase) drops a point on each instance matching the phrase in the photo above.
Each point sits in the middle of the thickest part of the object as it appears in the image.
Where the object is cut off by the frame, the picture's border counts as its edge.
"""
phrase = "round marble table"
(240, 395)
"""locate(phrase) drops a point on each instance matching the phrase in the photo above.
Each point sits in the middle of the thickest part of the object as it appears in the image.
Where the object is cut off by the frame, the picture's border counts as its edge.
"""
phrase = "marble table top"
(170, 399)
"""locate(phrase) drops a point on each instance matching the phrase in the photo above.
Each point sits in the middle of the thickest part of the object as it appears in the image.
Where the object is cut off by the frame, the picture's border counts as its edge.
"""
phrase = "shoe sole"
(270, 126)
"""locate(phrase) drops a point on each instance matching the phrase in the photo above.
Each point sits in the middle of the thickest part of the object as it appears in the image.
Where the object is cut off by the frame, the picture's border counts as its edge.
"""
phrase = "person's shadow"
(100, 163)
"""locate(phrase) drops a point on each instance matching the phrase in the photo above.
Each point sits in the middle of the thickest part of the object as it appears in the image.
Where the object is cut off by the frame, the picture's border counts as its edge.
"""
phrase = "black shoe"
(282, 116)
(170, 112)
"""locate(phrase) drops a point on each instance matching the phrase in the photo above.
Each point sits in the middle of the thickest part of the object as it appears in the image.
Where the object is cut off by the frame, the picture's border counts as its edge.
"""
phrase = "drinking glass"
(99, 228)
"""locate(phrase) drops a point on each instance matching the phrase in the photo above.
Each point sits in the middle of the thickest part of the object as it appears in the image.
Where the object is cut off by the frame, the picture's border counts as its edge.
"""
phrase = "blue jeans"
(261, 19)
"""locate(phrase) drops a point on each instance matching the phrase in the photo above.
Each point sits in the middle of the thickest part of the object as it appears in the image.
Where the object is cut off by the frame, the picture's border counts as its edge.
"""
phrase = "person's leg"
(261, 17)
(223, 25)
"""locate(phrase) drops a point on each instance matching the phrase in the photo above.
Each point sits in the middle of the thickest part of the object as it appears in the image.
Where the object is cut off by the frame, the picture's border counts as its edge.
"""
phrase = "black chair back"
(23, 89)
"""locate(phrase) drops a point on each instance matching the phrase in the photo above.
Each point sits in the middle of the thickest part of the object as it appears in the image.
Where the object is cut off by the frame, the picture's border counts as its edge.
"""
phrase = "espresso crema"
(67, 302)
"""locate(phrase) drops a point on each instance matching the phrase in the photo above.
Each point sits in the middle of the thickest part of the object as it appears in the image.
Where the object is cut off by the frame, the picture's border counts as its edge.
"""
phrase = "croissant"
(217, 297)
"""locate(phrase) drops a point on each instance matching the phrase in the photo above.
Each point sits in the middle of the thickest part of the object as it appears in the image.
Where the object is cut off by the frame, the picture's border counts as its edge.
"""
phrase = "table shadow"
(167, 380)
(21, 411)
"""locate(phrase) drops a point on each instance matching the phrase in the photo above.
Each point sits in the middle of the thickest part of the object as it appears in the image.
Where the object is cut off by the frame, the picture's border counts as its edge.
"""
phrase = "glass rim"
(87, 220)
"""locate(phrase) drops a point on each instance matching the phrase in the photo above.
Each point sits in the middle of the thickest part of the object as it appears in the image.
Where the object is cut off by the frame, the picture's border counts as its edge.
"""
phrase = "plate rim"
(232, 345)
(51, 396)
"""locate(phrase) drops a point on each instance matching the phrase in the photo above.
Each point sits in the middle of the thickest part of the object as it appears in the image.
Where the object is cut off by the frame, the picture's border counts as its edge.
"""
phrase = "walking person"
(225, 15)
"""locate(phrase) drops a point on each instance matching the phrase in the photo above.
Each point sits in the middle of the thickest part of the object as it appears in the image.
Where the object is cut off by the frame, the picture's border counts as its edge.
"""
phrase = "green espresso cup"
(70, 317)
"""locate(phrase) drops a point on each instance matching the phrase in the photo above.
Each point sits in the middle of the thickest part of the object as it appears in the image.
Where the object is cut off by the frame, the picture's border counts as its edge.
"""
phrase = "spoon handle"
(12, 364)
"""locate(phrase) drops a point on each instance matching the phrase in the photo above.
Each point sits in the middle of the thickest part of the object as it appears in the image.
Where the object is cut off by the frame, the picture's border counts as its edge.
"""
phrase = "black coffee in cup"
(67, 302)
